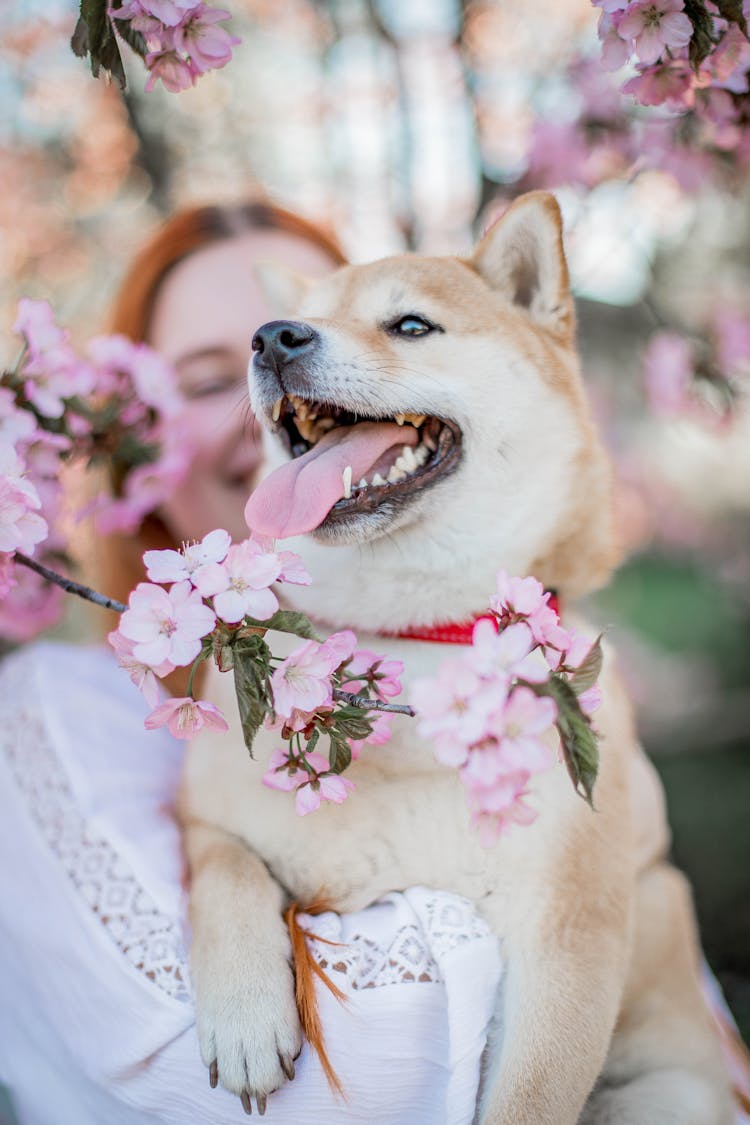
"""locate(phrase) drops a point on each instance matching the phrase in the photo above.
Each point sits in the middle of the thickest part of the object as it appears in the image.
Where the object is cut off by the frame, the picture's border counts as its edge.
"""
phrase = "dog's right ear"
(522, 257)
(283, 288)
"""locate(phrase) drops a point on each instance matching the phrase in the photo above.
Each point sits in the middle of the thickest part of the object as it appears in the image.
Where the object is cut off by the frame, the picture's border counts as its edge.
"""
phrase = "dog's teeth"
(400, 419)
(416, 420)
(302, 410)
(408, 458)
(396, 474)
(378, 480)
(362, 483)
(326, 424)
(308, 429)
(421, 454)
(346, 477)
(276, 412)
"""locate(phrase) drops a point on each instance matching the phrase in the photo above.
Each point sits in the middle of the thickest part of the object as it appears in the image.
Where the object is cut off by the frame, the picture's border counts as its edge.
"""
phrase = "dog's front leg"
(246, 1014)
(556, 1009)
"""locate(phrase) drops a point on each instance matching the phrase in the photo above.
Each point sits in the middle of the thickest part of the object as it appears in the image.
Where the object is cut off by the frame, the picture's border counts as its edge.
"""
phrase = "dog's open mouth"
(345, 465)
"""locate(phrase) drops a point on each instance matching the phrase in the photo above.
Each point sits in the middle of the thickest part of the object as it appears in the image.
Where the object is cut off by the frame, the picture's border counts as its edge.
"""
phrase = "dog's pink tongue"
(298, 496)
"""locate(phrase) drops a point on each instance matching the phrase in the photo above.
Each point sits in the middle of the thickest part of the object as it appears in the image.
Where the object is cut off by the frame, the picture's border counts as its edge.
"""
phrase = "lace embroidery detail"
(412, 956)
(150, 940)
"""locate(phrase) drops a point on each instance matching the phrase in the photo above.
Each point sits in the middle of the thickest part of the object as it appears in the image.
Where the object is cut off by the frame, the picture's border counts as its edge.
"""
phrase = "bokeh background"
(408, 125)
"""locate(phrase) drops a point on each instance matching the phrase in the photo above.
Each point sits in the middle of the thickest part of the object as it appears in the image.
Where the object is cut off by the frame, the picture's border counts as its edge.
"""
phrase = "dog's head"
(431, 424)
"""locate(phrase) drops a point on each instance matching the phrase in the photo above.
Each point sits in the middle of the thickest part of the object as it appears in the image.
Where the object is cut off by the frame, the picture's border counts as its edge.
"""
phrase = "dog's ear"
(283, 288)
(522, 257)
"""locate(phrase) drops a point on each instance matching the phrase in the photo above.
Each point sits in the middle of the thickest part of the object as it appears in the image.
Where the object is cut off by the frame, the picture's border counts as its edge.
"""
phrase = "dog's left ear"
(522, 257)
(282, 287)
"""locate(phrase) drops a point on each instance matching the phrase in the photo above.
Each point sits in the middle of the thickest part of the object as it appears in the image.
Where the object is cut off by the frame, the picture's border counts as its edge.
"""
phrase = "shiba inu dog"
(434, 429)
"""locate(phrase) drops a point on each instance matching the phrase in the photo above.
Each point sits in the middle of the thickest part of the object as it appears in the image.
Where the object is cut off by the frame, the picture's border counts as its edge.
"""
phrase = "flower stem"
(69, 585)
(366, 704)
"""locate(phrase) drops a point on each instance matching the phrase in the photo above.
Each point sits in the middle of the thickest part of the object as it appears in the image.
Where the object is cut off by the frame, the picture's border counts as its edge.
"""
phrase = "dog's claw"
(247, 1103)
(261, 1100)
(213, 1074)
(288, 1067)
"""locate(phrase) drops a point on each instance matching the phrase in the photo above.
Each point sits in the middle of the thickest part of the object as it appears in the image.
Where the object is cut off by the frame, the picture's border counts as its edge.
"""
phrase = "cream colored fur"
(599, 1017)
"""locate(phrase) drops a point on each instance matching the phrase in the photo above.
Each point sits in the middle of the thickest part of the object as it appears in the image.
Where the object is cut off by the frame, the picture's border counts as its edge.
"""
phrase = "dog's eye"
(412, 326)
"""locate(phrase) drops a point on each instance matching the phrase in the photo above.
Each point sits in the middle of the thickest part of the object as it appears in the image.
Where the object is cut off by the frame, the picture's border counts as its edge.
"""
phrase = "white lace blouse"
(96, 1015)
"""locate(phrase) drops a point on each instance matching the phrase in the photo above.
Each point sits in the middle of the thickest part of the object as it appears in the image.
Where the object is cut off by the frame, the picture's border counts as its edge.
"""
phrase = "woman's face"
(203, 321)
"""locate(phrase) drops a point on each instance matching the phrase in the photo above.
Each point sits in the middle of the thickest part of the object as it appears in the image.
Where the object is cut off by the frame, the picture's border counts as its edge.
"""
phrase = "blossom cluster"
(489, 710)
(116, 405)
(699, 378)
(685, 59)
(215, 599)
(305, 708)
(182, 39)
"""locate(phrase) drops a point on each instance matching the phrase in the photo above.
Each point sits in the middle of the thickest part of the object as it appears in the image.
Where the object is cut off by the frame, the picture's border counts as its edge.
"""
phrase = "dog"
(599, 1018)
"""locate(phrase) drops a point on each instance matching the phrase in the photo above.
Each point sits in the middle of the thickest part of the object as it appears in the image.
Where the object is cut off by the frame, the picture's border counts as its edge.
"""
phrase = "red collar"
(454, 632)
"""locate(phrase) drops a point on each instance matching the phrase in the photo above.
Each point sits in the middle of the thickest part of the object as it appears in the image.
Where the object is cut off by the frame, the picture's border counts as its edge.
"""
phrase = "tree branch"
(366, 704)
(69, 585)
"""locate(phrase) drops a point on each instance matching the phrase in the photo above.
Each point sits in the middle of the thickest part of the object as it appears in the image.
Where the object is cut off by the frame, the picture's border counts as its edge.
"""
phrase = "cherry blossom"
(380, 734)
(166, 625)
(145, 678)
(313, 784)
(303, 680)
(184, 717)
(176, 566)
(240, 584)
(371, 670)
(21, 527)
(654, 26)
(207, 46)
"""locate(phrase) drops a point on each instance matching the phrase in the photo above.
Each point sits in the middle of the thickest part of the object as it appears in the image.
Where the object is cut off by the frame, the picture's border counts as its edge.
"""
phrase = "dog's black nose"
(280, 341)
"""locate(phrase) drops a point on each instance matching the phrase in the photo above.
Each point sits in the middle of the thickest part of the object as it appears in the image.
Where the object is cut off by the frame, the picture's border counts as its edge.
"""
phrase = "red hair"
(119, 558)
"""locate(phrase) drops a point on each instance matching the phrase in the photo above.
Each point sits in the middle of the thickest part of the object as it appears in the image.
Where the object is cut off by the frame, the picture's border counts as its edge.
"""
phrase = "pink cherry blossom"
(7, 575)
(166, 625)
(507, 654)
(207, 46)
(146, 487)
(175, 72)
(331, 787)
(21, 528)
(293, 570)
(382, 675)
(654, 26)
(185, 717)
(240, 584)
(380, 734)
(17, 427)
(615, 51)
(303, 681)
(145, 678)
(31, 605)
(129, 368)
(176, 566)
(453, 708)
(668, 83)
(313, 786)
(496, 810)
(518, 727)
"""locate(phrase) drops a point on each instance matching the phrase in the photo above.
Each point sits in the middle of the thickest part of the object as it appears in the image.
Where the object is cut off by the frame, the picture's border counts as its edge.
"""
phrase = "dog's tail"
(306, 968)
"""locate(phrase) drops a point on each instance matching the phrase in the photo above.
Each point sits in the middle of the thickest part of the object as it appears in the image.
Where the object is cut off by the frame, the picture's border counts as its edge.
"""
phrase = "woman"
(96, 1022)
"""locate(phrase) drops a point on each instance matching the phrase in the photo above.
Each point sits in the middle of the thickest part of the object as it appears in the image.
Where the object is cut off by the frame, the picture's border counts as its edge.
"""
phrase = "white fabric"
(96, 1016)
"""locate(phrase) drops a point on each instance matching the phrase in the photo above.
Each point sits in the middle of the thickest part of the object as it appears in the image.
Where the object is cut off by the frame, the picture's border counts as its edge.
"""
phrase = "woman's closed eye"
(215, 385)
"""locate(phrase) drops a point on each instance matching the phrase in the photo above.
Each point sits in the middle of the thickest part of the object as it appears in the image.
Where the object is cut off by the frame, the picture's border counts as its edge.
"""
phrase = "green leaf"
(133, 38)
(95, 35)
(588, 672)
(340, 754)
(251, 668)
(731, 11)
(353, 723)
(578, 740)
(289, 621)
(702, 41)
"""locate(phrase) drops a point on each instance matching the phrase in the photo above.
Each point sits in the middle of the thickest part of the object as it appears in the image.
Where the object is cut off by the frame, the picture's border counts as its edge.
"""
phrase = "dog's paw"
(249, 1031)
